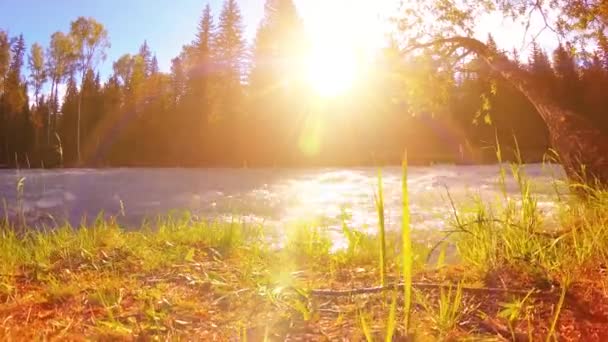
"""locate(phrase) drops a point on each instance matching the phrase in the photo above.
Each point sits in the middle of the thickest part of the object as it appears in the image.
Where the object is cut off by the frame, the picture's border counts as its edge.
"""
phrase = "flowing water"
(275, 196)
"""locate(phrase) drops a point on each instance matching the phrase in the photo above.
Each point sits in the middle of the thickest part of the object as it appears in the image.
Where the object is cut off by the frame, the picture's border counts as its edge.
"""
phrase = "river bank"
(501, 273)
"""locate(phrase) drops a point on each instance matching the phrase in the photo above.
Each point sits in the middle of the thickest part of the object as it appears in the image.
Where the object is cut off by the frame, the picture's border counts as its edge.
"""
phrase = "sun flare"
(332, 72)
(344, 36)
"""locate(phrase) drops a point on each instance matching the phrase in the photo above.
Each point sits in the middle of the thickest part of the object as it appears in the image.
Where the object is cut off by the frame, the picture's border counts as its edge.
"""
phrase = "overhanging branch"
(468, 43)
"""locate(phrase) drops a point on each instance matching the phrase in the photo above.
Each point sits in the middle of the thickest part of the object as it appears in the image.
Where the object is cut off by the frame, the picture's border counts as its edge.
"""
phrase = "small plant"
(109, 295)
(20, 188)
(301, 308)
(446, 315)
(352, 236)
(58, 292)
(309, 241)
(6, 289)
(512, 312)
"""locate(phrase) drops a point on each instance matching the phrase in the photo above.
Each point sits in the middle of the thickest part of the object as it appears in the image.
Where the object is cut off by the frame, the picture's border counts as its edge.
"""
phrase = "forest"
(226, 102)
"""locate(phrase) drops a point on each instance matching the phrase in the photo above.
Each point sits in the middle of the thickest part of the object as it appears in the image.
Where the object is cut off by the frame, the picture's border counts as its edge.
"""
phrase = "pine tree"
(178, 81)
(567, 87)
(137, 84)
(146, 55)
(203, 46)
(276, 84)
(279, 45)
(230, 54)
(5, 57)
(205, 35)
(17, 121)
(594, 81)
(230, 50)
(69, 120)
(91, 92)
(201, 71)
(540, 67)
(111, 125)
(154, 66)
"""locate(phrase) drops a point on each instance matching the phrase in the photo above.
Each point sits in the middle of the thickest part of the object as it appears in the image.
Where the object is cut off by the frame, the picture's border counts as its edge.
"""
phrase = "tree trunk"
(78, 128)
(50, 113)
(581, 147)
(55, 105)
(79, 116)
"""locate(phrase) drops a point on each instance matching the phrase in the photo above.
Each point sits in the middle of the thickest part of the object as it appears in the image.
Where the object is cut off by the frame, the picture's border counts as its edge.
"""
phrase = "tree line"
(226, 103)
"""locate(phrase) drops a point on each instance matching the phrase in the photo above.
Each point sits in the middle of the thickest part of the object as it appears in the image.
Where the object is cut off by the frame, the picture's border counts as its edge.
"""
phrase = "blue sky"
(165, 24)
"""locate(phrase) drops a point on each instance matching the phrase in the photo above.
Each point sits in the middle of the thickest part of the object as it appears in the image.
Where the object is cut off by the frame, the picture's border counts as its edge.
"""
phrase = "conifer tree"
(146, 55)
(68, 120)
(228, 102)
(275, 81)
(279, 46)
(567, 87)
(5, 57)
(230, 56)
(540, 66)
(202, 75)
(18, 132)
(154, 66)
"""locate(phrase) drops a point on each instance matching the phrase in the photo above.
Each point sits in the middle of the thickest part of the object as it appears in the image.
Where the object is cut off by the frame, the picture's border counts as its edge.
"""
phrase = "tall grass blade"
(380, 207)
(408, 255)
(391, 325)
(366, 329)
(503, 174)
(558, 311)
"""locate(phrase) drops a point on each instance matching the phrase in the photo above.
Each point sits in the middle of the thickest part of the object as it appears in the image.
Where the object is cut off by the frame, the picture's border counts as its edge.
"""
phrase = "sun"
(332, 71)
(344, 36)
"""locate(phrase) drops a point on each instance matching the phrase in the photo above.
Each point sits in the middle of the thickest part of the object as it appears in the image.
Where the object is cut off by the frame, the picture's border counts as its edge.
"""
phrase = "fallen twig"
(423, 286)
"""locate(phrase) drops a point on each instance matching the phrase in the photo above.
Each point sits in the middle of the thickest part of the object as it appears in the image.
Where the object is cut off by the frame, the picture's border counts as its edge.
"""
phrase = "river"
(276, 196)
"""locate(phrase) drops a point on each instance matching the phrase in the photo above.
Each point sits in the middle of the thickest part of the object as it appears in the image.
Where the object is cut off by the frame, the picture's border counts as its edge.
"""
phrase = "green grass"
(379, 199)
(448, 311)
(227, 280)
(408, 253)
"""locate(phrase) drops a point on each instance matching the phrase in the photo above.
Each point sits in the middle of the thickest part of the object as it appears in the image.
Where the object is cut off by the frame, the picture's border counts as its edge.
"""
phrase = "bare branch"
(460, 58)
(538, 7)
(421, 286)
(528, 23)
(546, 21)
